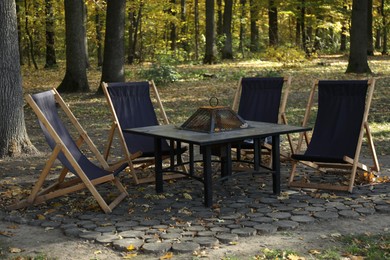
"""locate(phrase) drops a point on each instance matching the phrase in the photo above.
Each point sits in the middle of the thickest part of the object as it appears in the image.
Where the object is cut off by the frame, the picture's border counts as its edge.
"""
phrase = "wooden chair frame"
(63, 186)
(282, 119)
(350, 165)
(135, 161)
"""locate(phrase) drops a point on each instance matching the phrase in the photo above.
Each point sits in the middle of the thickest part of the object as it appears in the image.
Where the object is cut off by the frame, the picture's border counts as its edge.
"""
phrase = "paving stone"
(174, 230)
(90, 234)
(286, 224)
(326, 215)
(132, 234)
(248, 223)
(255, 215)
(156, 248)
(206, 233)
(206, 241)
(234, 226)
(129, 223)
(125, 244)
(315, 209)
(171, 236)
(51, 224)
(284, 208)
(109, 229)
(72, 232)
(70, 225)
(107, 238)
(300, 213)
(188, 234)
(383, 208)
(349, 214)
(298, 205)
(141, 228)
(365, 211)
(150, 222)
(195, 228)
(265, 229)
(244, 232)
(231, 216)
(185, 247)
(220, 229)
(227, 238)
(303, 219)
(263, 219)
(279, 215)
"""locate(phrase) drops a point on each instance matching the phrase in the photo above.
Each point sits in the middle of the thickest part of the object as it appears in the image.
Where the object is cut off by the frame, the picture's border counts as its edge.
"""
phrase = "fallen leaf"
(314, 251)
(6, 233)
(14, 250)
(168, 255)
(129, 256)
(335, 235)
(130, 247)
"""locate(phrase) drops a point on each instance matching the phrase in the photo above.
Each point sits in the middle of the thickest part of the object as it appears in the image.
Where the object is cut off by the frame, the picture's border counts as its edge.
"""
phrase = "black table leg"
(226, 160)
(208, 192)
(158, 164)
(276, 164)
(192, 170)
(256, 154)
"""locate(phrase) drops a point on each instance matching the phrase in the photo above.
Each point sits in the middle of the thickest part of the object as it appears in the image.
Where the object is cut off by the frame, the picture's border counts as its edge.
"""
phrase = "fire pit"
(213, 119)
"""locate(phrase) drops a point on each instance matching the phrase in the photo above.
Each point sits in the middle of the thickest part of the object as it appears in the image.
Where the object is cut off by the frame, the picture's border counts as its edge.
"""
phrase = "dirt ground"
(36, 241)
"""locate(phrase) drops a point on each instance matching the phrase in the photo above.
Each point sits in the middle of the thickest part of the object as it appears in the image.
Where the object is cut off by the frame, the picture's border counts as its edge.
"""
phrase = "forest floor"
(19, 241)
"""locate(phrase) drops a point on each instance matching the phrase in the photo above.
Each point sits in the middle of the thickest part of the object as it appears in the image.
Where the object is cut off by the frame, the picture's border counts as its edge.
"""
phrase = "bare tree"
(75, 79)
(210, 55)
(13, 136)
(114, 43)
(357, 62)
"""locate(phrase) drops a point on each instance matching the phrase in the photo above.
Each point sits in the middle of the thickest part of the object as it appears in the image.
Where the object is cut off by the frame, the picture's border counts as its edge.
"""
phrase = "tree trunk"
(114, 44)
(50, 50)
(302, 25)
(384, 26)
(173, 28)
(219, 18)
(135, 22)
(242, 27)
(210, 51)
(99, 37)
(272, 23)
(184, 26)
(29, 35)
(227, 50)
(370, 40)
(254, 29)
(85, 35)
(357, 62)
(18, 14)
(197, 30)
(75, 79)
(343, 38)
(378, 39)
(13, 136)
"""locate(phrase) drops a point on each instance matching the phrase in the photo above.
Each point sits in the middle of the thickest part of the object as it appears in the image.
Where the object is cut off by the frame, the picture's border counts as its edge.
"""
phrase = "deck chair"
(337, 137)
(131, 106)
(87, 175)
(264, 100)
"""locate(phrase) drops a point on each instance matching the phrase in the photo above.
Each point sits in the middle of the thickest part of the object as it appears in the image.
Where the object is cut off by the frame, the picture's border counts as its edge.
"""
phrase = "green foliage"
(275, 254)
(284, 54)
(161, 73)
(368, 246)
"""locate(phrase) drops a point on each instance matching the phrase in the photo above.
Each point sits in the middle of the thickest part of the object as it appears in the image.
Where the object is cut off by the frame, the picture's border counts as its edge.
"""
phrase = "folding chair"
(131, 106)
(336, 142)
(67, 151)
(264, 100)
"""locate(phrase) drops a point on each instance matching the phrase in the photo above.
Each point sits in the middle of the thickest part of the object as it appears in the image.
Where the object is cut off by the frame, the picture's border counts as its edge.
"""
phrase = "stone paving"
(177, 221)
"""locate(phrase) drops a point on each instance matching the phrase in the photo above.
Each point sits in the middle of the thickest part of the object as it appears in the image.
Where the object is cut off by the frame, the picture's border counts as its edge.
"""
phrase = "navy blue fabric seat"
(67, 151)
(261, 99)
(131, 106)
(337, 137)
